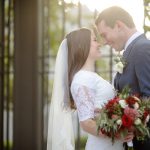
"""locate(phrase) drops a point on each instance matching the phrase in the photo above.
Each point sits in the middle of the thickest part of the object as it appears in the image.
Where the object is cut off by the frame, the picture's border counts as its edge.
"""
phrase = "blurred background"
(30, 33)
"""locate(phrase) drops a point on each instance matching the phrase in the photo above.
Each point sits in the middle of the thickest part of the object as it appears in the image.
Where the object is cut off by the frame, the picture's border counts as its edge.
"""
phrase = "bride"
(78, 86)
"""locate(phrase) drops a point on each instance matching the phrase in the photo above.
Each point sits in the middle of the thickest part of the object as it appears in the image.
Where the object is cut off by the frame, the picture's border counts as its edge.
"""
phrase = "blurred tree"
(64, 17)
(146, 25)
(54, 26)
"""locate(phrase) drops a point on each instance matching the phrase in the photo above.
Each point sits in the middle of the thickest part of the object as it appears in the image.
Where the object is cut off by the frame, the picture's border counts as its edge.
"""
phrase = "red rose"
(132, 113)
(127, 121)
(110, 106)
(131, 101)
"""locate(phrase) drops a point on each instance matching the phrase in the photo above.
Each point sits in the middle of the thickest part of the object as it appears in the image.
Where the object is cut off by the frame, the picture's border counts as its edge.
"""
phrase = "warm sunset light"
(134, 7)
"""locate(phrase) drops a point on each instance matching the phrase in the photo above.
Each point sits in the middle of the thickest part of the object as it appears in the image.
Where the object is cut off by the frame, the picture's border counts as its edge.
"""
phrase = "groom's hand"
(129, 137)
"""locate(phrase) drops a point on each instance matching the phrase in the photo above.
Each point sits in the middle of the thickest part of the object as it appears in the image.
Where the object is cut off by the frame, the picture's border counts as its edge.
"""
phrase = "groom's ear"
(119, 25)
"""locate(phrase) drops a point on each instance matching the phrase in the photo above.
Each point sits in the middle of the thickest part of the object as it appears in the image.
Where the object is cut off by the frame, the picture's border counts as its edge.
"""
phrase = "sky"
(134, 7)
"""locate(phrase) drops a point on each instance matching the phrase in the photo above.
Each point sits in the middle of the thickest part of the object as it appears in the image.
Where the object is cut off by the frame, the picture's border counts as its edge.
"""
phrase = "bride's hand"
(97, 110)
(101, 134)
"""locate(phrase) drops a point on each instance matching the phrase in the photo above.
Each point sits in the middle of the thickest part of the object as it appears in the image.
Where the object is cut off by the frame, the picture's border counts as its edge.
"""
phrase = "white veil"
(60, 127)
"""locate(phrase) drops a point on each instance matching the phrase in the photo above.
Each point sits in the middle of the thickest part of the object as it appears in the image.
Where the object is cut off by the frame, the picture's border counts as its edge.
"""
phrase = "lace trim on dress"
(84, 99)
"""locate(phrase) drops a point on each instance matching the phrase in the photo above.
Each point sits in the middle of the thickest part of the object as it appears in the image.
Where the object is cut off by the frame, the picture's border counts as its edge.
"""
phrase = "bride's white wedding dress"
(90, 91)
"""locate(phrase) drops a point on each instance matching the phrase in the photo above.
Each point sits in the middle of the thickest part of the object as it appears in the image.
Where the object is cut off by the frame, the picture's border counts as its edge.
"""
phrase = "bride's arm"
(84, 98)
(89, 126)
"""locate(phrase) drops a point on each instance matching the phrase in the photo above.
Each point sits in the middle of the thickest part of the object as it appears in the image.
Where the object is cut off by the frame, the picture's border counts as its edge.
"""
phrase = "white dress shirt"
(134, 36)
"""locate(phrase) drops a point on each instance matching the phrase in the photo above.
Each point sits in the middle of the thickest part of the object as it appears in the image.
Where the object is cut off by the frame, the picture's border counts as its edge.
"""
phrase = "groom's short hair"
(112, 14)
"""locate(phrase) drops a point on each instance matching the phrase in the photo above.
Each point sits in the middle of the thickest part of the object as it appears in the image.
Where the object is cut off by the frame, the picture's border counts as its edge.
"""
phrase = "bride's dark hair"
(78, 42)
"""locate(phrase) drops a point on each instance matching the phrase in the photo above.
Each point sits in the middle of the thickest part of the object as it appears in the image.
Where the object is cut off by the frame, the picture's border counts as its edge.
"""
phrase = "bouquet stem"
(130, 145)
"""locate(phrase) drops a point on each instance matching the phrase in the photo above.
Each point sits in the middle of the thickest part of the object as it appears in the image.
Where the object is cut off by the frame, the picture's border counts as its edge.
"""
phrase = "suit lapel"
(118, 75)
(116, 81)
(127, 52)
(126, 55)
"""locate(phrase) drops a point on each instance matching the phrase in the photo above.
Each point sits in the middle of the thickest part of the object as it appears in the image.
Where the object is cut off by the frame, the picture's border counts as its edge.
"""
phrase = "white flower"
(120, 63)
(119, 67)
(117, 59)
(119, 122)
(136, 105)
(123, 103)
(137, 121)
(147, 118)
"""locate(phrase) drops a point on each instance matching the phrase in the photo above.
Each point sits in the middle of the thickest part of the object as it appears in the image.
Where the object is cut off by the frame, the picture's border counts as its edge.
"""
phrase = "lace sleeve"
(84, 100)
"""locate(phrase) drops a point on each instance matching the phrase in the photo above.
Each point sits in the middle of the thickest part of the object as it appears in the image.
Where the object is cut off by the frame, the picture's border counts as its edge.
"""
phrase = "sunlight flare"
(134, 7)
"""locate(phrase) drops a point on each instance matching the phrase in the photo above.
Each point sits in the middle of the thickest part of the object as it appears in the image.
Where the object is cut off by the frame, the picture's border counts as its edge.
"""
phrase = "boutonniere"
(120, 63)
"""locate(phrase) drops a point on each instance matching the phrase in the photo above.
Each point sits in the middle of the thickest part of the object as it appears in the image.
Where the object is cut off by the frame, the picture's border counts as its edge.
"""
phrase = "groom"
(118, 30)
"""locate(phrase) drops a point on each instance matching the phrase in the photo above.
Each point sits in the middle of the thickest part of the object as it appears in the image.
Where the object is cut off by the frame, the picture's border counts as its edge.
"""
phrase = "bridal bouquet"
(124, 114)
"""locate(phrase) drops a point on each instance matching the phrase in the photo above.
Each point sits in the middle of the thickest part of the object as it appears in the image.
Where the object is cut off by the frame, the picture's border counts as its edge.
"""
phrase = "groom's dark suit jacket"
(136, 74)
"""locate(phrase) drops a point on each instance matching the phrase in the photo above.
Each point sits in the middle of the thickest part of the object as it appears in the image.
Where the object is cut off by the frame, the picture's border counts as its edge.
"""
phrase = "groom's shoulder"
(142, 41)
(141, 49)
(142, 45)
